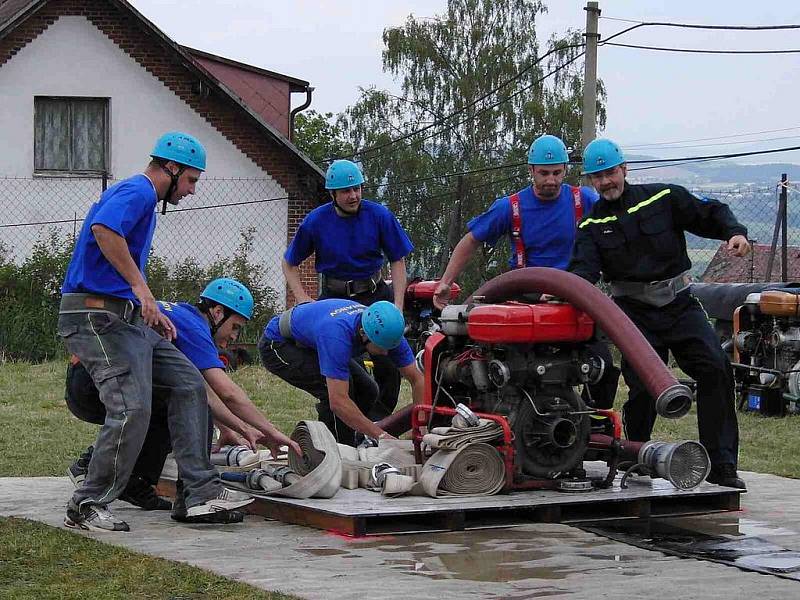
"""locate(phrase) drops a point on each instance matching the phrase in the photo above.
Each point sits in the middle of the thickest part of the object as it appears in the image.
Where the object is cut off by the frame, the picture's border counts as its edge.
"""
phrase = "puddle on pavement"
(495, 555)
(557, 551)
(728, 541)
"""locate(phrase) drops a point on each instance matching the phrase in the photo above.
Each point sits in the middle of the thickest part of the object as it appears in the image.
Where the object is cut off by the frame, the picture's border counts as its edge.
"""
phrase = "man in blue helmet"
(224, 307)
(108, 318)
(350, 238)
(313, 346)
(539, 222)
(635, 240)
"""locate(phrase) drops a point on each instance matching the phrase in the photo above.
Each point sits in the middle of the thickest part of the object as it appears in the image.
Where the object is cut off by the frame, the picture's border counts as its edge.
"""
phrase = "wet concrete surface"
(528, 561)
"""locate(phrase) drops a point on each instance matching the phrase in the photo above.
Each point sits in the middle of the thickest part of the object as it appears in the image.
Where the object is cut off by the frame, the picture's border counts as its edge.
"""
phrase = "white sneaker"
(93, 517)
(225, 501)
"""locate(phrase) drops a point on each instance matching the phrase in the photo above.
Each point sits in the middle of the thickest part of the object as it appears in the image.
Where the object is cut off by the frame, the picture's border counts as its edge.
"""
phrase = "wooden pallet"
(360, 512)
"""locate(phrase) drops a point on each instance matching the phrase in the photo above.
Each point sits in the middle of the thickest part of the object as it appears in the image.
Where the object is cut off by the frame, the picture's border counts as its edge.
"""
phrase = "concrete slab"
(530, 561)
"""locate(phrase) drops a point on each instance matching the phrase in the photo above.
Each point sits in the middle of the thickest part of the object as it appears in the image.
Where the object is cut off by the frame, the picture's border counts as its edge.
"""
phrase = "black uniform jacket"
(640, 236)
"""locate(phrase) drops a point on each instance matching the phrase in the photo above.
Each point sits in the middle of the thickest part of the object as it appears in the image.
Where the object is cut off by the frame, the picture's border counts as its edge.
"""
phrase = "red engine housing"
(423, 290)
(515, 323)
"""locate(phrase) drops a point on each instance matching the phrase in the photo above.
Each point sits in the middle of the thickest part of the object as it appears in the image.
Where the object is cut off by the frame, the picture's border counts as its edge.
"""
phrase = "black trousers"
(386, 374)
(83, 401)
(682, 327)
(299, 367)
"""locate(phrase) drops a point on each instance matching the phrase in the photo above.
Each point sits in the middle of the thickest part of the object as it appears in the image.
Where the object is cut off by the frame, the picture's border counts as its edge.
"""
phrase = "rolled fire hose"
(453, 438)
(471, 470)
(673, 400)
(320, 466)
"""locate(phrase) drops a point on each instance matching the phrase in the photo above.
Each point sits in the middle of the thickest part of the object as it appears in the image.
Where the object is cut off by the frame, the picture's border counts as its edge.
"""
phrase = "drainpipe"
(303, 106)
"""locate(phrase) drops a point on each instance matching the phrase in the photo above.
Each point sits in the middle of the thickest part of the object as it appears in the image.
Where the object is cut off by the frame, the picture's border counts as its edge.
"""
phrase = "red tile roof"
(725, 268)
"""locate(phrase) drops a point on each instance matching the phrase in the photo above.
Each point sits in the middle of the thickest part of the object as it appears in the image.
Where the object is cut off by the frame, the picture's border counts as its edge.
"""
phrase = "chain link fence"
(238, 227)
(232, 227)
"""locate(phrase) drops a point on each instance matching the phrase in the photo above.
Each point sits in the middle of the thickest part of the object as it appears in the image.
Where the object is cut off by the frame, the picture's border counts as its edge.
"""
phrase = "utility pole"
(454, 226)
(590, 74)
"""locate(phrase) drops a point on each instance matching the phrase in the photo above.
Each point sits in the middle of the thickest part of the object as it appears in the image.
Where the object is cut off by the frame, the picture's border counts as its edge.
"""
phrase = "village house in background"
(87, 86)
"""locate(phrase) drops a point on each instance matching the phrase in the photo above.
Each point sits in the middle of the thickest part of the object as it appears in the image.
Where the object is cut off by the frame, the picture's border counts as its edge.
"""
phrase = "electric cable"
(701, 51)
(721, 137)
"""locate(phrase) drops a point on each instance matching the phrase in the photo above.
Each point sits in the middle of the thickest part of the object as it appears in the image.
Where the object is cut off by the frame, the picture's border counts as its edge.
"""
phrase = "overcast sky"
(653, 97)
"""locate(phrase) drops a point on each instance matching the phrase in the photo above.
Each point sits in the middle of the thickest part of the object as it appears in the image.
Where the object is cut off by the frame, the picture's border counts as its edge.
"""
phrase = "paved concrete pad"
(531, 561)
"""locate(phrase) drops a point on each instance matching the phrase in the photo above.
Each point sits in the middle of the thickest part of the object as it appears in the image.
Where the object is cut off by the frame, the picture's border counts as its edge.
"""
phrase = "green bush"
(30, 292)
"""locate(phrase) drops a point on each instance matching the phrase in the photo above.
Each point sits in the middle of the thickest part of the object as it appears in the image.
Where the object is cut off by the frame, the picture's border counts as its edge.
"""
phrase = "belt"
(351, 287)
(87, 303)
(655, 293)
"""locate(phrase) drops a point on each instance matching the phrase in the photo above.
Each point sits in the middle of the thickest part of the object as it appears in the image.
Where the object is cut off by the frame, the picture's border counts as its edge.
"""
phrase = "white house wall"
(73, 58)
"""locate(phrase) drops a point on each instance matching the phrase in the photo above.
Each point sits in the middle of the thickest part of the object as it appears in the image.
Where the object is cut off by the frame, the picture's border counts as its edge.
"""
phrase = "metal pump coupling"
(380, 471)
(464, 417)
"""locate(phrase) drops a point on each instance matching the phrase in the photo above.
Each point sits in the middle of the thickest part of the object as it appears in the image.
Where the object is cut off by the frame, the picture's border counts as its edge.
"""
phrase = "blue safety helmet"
(547, 150)
(343, 174)
(384, 324)
(230, 294)
(601, 154)
(181, 148)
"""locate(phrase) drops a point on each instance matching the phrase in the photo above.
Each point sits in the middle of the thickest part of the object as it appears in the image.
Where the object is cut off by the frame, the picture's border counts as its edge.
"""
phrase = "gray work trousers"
(125, 360)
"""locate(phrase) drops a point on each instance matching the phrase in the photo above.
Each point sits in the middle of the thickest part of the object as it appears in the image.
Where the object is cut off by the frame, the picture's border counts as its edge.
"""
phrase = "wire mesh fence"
(233, 227)
(238, 227)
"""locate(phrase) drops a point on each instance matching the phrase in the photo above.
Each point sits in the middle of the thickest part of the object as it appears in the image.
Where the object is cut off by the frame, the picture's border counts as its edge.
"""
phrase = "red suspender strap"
(576, 194)
(516, 232)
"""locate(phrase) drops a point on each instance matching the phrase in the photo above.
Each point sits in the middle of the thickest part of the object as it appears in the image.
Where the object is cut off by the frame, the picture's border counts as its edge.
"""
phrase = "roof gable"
(23, 20)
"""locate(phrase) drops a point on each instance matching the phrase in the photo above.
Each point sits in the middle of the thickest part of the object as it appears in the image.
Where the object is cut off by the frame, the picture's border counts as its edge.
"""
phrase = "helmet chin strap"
(215, 327)
(342, 212)
(173, 177)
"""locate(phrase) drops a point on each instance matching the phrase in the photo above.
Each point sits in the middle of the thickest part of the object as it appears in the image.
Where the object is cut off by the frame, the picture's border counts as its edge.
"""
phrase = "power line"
(700, 26)
(444, 176)
(437, 122)
(677, 161)
(466, 107)
(721, 137)
(494, 105)
(700, 51)
(783, 137)
(712, 157)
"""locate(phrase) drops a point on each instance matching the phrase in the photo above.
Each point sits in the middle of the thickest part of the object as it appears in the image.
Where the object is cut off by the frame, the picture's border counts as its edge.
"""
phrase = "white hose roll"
(320, 465)
(471, 470)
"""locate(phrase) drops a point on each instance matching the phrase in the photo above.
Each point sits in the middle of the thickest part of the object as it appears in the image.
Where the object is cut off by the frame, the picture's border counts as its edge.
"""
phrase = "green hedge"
(30, 292)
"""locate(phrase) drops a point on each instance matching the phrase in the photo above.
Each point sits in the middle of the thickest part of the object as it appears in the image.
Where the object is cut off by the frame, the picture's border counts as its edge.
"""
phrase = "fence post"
(784, 206)
(779, 222)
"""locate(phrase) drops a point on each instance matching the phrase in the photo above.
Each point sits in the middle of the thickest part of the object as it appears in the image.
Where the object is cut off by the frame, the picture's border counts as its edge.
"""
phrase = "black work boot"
(140, 493)
(725, 474)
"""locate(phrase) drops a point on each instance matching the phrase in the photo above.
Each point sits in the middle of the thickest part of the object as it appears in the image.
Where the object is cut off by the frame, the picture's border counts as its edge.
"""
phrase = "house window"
(70, 135)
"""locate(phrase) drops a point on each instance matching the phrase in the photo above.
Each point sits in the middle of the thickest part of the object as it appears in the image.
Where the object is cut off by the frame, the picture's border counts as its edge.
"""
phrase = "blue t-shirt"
(548, 226)
(330, 327)
(193, 335)
(349, 247)
(128, 209)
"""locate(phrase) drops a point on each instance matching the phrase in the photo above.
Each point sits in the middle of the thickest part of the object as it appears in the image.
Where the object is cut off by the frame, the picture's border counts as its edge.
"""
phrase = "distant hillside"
(714, 173)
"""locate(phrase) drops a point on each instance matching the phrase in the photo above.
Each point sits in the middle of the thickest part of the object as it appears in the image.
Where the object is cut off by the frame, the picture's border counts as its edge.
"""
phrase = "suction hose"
(673, 400)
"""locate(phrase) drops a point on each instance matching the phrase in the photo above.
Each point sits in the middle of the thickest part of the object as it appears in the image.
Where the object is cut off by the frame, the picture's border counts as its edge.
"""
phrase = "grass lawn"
(37, 561)
(41, 437)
